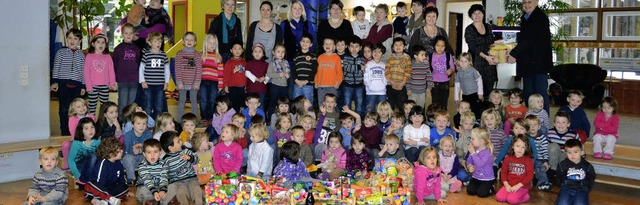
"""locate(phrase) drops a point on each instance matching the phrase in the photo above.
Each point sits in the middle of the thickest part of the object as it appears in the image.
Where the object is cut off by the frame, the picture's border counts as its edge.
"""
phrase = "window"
(621, 26)
(620, 3)
(579, 25)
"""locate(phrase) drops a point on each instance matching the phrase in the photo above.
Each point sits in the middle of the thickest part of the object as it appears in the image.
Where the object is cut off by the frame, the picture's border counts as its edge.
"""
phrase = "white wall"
(25, 109)
(494, 8)
(461, 7)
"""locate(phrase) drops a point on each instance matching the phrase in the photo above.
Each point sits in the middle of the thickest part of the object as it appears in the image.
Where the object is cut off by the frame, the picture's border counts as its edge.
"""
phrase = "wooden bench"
(621, 171)
(54, 141)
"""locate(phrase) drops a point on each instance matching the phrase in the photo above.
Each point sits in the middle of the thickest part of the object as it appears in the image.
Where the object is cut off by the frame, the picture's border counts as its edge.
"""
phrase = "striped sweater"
(543, 116)
(560, 138)
(153, 176)
(542, 146)
(303, 68)
(498, 139)
(154, 68)
(420, 79)
(353, 70)
(212, 70)
(188, 68)
(180, 169)
(51, 185)
(68, 67)
(398, 68)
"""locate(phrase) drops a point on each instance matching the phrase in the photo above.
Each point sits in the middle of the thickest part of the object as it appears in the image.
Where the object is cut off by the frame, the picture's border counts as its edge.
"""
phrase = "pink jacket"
(73, 123)
(340, 154)
(227, 158)
(426, 182)
(98, 70)
(606, 127)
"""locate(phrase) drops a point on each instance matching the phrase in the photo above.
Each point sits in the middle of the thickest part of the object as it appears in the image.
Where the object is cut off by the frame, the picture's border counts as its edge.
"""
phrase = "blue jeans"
(540, 173)
(536, 84)
(355, 93)
(126, 94)
(85, 166)
(276, 91)
(571, 196)
(373, 100)
(130, 162)
(412, 153)
(463, 175)
(155, 97)
(208, 95)
(306, 90)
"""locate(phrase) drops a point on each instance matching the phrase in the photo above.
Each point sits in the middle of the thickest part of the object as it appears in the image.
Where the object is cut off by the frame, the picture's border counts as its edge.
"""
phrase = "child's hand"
(323, 109)
(226, 89)
(442, 201)
(164, 87)
(546, 166)
(471, 148)
(113, 88)
(32, 200)
(472, 168)
(345, 108)
(185, 157)
(516, 187)
(409, 92)
(428, 91)
(286, 75)
(282, 75)
(195, 87)
(480, 96)
(337, 85)
(144, 85)
(449, 71)
(82, 92)
(358, 127)
(156, 196)
(180, 86)
(54, 87)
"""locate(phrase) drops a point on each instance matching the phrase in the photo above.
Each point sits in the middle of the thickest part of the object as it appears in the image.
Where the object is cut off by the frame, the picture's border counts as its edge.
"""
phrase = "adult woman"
(227, 27)
(479, 37)
(293, 27)
(264, 32)
(424, 36)
(382, 30)
(415, 20)
(335, 27)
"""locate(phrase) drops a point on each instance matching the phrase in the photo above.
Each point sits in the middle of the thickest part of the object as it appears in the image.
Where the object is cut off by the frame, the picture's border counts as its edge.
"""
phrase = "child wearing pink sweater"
(99, 76)
(227, 155)
(607, 124)
(427, 177)
(334, 157)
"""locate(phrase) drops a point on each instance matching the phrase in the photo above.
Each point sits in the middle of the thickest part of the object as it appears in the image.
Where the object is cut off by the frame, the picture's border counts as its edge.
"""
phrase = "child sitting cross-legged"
(181, 174)
(260, 159)
(50, 182)
(107, 184)
(153, 183)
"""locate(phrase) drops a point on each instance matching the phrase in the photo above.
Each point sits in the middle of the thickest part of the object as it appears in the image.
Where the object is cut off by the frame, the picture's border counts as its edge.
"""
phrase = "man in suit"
(533, 52)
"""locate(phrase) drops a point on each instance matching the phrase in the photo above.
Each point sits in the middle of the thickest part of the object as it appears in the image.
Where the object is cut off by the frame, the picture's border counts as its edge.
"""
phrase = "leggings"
(101, 91)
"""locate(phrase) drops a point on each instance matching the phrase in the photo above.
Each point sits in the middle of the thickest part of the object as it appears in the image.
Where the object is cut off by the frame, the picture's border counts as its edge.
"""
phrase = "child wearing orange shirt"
(329, 74)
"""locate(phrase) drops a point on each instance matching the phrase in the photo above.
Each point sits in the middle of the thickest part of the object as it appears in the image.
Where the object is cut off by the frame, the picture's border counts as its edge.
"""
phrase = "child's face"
(255, 138)
(127, 34)
(518, 148)
(360, 15)
(118, 155)
(519, 130)
(515, 100)
(155, 4)
(490, 121)
(402, 12)
(297, 136)
(354, 48)
(307, 124)
(204, 144)
(328, 45)
(49, 161)
(139, 125)
(464, 62)
(574, 101)
(152, 154)
(283, 108)
(341, 46)
(237, 50)
(222, 107)
(329, 103)
(417, 8)
(606, 108)
(496, 99)
(396, 124)
(239, 122)
(156, 44)
(72, 41)
(392, 145)
(305, 44)
(574, 154)
(226, 135)
(257, 53)
(211, 45)
(446, 146)
(534, 127)
(417, 119)
(307, 104)
(189, 41)
(347, 124)
(384, 112)
(377, 55)
(177, 145)
(431, 160)
(421, 56)
(463, 107)
(88, 130)
(253, 103)
(538, 105)
(279, 52)
(367, 53)
(357, 146)
(170, 126)
(285, 124)
(561, 124)
(398, 47)
(99, 45)
(441, 122)
(476, 141)
(334, 143)
(407, 108)
(467, 125)
(80, 108)
(440, 46)
(189, 127)
(112, 113)
(369, 122)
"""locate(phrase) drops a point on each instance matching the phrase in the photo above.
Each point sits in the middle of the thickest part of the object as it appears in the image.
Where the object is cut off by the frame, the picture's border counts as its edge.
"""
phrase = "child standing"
(353, 71)
(427, 180)
(417, 134)
(607, 124)
(361, 26)
(440, 130)
(234, 76)
(260, 153)
(305, 66)
(334, 157)
(212, 76)
(222, 116)
(421, 81)
(188, 74)
(371, 133)
(50, 182)
(517, 172)
(126, 62)
(480, 163)
(82, 155)
(108, 121)
(227, 155)
(181, 174)
(374, 78)
(67, 77)
(442, 66)
(536, 107)
(398, 72)
(541, 163)
(470, 82)
(257, 73)
(133, 141)
(575, 175)
(99, 76)
(329, 73)
(290, 166)
(297, 135)
(341, 47)
(401, 21)
(278, 74)
(515, 109)
(450, 165)
(391, 148)
(154, 75)
(491, 120)
(153, 183)
(107, 183)
(358, 159)
(189, 121)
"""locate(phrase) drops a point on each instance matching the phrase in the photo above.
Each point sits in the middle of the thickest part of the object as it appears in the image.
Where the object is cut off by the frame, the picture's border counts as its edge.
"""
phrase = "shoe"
(456, 186)
(466, 183)
(597, 155)
(114, 201)
(545, 186)
(131, 182)
(608, 156)
(101, 202)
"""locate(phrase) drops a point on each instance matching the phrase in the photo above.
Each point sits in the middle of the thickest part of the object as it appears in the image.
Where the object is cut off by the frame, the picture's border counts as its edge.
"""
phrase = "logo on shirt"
(129, 55)
(362, 27)
(98, 65)
(191, 62)
(516, 168)
(238, 69)
(575, 174)
(156, 63)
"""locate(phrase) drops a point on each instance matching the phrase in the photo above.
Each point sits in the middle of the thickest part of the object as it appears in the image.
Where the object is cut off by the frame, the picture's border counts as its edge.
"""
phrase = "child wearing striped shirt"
(421, 81)
(212, 76)
(153, 183)
(181, 174)
(188, 74)
(50, 182)
(67, 77)
(154, 75)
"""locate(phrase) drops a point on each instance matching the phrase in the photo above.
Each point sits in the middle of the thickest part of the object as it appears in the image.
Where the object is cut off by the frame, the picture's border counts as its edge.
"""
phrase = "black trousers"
(480, 188)
(396, 97)
(440, 94)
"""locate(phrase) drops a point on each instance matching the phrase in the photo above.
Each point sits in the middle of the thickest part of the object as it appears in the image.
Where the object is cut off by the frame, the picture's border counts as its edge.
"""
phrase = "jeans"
(355, 93)
(540, 172)
(155, 100)
(306, 90)
(130, 163)
(65, 96)
(372, 102)
(397, 97)
(322, 91)
(412, 153)
(182, 100)
(571, 196)
(420, 99)
(536, 84)
(85, 166)
(440, 94)
(126, 94)
(275, 91)
(462, 175)
(208, 95)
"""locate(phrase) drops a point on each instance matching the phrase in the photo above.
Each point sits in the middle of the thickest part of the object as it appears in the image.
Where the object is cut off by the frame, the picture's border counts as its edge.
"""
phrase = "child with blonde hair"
(77, 110)
(307, 123)
(469, 81)
(467, 122)
(606, 124)
(50, 182)
(260, 159)
(204, 150)
(227, 156)
(491, 120)
(212, 76)
(449, 164)
(480, 163)
(384, 111)
(495, 102)
(536, 107)
(188, 68)
(165, 123)
(427, 179)
(396, 127)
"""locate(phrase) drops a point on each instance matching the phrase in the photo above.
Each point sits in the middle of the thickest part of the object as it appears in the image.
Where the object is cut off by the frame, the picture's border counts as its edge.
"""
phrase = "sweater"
(291, 171)
(73, 122)
(220, 121)
(439, 66)
(325, 30)
(258, 69)
(543, 116)
(107, 174)
(126, 62)
(542, 146)
(398, 68)
(560, 138)
(606, 126)
(434, 138)
(399, 153)
(306, 155)
(372, 137)
(374, 78)
(234, 75)
(227, 158)
(213, 70)
(400, 25)
(68, 67)
(515, 112)
(131, 139)
(508, 144)
(357, 162)
(78, 152)
(98, 70)
(579, 119)
(426, 182)
(50, 185)
(498, 139)
(180, 169)
(578, 177)
(361, 29)
(188, 68)
(517, 170)
(245, 112)
(421, 78)
(483, 163)
(352, 70)
(303, 68)
(260, 159)
(381, 32)
(277, 67)
(153, 176)
(154, 68)
(279, 138)
(449, 164)
(339, 154)
(329, 71)
(416, 134)
(469, 81)
(234, 33)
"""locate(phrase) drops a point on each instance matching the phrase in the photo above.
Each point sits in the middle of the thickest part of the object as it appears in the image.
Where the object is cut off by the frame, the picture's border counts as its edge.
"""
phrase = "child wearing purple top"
(442, 67)
(290, 165)
(480, 164)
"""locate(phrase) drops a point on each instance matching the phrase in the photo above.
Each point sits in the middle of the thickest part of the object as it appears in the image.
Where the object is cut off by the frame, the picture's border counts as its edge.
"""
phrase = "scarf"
(281, 66)
(227, 25)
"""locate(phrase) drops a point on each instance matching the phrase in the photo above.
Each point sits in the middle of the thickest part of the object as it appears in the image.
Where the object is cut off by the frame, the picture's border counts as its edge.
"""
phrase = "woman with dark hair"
(335, 26)
(227, 27)
(293, 27)
(264, 31)
(479, 37)
(424, 36)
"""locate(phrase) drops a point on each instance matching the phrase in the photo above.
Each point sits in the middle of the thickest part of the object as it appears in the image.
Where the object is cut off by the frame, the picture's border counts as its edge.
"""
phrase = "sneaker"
(101, 202)
(545, 186)
(608, 156)
(131, 182)
(114, 201)
(597, 155)
(466, 183)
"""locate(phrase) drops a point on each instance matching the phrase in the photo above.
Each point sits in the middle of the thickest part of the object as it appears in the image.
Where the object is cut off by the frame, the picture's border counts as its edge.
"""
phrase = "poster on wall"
(431, 3)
